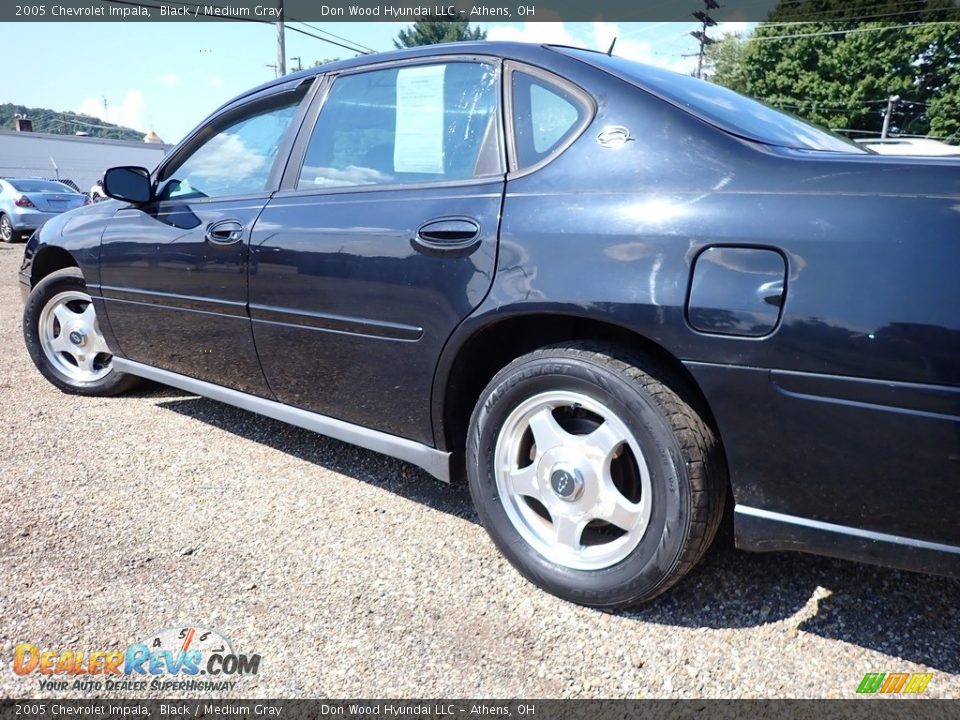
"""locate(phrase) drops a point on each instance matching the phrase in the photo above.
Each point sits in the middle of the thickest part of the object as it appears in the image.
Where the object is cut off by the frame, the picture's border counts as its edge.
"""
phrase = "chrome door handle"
(448, 236)
(224, 232)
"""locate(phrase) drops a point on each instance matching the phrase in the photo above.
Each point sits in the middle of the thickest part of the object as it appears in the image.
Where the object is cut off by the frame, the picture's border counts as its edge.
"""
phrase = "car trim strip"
(336, 323)
(433, 461)
(173, 301)
(844, 529)
(766, 530)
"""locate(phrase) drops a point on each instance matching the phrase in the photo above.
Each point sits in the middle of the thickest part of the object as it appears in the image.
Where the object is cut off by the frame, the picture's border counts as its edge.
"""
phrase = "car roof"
(530, 52)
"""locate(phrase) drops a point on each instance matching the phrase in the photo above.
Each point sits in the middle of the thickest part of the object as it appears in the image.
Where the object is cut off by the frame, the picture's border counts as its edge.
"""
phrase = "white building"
(70, 157)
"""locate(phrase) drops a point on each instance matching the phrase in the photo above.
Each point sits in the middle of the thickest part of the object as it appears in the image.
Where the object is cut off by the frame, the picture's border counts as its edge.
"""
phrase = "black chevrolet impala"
(614, 297)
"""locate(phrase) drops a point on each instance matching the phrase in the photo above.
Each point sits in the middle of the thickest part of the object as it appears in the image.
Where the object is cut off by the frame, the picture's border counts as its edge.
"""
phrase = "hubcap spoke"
(604, 440)
(547, 432)
(622, 513)
(89, 316)
(61, 344)
(98, 345)
(523, 481)
(567, 531)
(617, 510)
(64, 314)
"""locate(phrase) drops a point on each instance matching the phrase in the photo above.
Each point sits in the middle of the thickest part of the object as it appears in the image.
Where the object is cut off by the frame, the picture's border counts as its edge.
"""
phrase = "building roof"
(84, 139)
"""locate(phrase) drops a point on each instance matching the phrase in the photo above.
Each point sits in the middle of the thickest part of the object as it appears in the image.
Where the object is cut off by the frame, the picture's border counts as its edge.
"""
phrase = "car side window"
(545, 115)
(401, 125)
(235, 160)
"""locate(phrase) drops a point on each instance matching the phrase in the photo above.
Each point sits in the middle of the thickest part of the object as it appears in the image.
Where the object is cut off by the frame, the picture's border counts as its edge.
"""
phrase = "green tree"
(431, 32)
(724, 63)
(847, 57)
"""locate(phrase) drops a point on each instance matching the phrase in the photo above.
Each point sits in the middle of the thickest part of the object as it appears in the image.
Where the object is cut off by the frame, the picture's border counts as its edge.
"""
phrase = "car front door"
(381, 240)
(174, 271)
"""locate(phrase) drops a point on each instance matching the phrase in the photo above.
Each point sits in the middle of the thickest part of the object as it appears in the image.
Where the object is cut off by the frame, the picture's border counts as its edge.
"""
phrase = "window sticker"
(419, 137)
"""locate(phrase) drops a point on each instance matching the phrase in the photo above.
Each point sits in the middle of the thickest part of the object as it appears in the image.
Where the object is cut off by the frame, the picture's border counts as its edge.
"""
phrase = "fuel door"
(737, 291)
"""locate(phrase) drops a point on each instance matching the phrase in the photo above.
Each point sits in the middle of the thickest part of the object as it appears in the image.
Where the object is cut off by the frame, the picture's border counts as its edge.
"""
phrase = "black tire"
(686, 467)
(7, 233)
(69, 279)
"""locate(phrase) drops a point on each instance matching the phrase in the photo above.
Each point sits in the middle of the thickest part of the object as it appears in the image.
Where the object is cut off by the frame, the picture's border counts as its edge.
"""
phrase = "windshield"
(723, 107)
(39, 186)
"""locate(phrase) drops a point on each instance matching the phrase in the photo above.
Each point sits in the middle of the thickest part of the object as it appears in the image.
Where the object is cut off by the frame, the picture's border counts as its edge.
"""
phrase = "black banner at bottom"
(874, 708)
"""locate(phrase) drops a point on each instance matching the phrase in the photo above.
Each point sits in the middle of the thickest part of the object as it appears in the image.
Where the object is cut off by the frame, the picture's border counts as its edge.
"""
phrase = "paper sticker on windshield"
(419, 139)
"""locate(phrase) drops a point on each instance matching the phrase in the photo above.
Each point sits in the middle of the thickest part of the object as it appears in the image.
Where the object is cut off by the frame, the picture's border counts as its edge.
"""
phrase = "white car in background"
(910, 146)
(96, 192)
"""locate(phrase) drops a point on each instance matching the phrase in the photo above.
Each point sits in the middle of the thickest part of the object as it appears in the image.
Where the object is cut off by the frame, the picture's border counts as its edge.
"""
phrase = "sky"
(167, 77)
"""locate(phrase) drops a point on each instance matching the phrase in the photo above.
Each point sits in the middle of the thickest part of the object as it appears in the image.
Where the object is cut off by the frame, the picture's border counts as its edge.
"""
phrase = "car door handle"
(224, 232)
(771, 293)
(450, 235)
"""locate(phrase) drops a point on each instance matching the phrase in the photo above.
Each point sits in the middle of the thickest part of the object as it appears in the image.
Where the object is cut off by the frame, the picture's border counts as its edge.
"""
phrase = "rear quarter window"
(546, 116)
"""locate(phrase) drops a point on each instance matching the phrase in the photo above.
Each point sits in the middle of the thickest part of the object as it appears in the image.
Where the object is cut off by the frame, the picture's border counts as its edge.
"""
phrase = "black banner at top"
(380, 10)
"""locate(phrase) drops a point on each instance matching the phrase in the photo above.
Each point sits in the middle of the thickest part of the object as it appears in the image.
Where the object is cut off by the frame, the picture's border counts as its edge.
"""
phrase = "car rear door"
(174, 271)
(382, 239)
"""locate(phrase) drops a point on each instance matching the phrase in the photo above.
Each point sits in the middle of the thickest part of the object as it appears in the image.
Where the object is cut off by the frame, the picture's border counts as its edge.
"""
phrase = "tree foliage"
(839, 67)
(432, 32)
(64, 123)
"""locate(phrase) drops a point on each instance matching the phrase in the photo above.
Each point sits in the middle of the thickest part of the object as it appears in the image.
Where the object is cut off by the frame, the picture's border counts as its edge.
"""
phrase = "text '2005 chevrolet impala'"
(617, 299)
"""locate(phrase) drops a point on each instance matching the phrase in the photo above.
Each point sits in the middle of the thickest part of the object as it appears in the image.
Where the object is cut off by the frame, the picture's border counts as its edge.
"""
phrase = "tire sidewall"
(43, 293)
(655, 558)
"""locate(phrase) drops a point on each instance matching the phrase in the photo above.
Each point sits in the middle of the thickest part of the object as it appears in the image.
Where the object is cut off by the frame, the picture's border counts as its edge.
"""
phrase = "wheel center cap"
(77, 337)
(566, 484)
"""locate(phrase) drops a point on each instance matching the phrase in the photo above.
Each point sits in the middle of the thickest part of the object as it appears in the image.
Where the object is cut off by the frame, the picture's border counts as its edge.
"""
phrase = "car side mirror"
(128, 183)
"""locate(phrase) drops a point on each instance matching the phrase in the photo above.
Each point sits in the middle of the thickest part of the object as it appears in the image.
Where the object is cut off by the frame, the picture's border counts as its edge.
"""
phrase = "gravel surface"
(354, 575)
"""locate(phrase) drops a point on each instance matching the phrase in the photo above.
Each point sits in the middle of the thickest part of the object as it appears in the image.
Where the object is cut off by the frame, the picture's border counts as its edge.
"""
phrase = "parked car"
(26, 203)
(910, 146)
(615, 297)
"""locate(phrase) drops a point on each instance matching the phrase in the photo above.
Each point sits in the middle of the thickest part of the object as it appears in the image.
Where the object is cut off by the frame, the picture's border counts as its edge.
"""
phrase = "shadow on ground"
(900, 614)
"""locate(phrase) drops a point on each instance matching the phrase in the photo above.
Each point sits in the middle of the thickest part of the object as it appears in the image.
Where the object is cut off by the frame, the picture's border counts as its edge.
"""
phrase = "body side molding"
(433, 461)
(764, 530)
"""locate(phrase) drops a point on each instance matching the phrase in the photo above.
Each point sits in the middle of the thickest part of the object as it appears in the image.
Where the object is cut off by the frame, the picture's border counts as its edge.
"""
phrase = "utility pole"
(299, 64)
(281, 43)
(886, 118)
(705, 22)
(274, 67)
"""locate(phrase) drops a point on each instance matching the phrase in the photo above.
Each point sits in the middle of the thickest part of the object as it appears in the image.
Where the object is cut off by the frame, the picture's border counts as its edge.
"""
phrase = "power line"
(354, 45)
(226, 16)
(64, 121)
(334, 35)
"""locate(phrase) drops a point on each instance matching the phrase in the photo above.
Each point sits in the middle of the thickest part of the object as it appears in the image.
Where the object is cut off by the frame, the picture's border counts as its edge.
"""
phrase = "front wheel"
(63, 337)
(593, 476)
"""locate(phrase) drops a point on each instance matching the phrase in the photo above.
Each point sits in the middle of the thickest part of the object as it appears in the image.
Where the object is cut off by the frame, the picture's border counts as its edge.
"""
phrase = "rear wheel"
(63, 337)
(7, 233)
(593, 476)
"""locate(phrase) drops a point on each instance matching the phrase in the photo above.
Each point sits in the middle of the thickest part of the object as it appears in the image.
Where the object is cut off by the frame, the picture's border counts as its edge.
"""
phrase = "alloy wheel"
(573, 480)
(6, 229)
(71, 339)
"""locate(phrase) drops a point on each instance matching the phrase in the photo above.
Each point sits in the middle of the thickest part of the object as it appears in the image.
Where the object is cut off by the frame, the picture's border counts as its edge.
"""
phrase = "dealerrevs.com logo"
(174, 659)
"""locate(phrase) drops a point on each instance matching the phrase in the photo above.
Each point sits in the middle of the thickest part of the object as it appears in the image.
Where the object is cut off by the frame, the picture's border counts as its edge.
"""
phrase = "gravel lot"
(354, 575)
